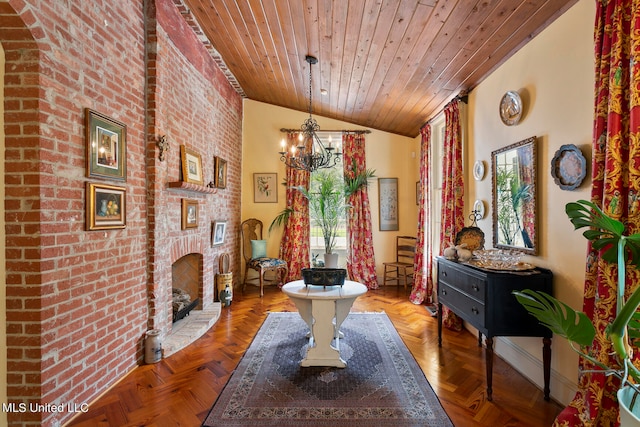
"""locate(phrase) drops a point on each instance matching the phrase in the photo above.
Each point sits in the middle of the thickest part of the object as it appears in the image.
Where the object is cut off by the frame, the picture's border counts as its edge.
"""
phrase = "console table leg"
(439, 325)
(489, 362)
(479, 339)
(546, 360)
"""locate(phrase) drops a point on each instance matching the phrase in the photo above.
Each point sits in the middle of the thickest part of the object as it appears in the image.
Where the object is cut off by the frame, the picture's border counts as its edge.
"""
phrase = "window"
(316, 243)
(437, 151)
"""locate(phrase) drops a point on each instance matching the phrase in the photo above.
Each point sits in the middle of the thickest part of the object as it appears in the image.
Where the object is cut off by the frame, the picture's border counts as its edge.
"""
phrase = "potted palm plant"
(328, 205)
(606, 235)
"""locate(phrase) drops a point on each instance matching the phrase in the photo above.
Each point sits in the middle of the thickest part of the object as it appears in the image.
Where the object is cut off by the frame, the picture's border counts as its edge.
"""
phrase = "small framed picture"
(106, 141)
(218, 230)
(106, 206)
(191, 166)
(388, 202)
(265, 188)
(221, 172)
(189, 214)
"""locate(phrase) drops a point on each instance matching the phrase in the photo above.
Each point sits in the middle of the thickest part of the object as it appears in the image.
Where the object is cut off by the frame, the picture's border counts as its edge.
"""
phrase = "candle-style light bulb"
(330, 143)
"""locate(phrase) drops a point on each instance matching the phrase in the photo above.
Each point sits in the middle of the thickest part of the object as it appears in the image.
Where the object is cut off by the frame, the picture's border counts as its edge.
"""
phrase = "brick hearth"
(186, 331)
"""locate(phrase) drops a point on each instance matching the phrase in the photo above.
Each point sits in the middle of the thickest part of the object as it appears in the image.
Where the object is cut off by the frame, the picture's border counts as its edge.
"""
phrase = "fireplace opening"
(186, 281)
(182, 304)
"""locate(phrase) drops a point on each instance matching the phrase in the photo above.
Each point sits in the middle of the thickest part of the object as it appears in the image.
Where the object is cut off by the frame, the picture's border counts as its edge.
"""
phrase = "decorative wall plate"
(511, 108)
(568, 167)
(478, 170)
(472, 236)
(478, 206)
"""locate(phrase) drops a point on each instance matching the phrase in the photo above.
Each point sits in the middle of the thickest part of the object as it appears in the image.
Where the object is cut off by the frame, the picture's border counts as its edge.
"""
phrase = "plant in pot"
(606, 235)
(328, 205)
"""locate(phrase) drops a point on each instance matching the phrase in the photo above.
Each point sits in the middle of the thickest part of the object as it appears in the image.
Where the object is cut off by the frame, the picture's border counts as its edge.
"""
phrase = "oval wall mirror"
(513, 171)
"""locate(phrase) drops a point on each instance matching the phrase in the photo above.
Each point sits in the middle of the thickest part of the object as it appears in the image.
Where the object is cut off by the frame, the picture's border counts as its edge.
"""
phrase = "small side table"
(319, 306)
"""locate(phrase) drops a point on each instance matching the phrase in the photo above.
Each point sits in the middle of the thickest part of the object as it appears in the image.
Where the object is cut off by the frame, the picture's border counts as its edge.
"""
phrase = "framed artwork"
(221, 172)
(388, 203)
(265, 188)
(191, 166)
(218, 230)
(106, 206)
(106, 141)
(189, 214)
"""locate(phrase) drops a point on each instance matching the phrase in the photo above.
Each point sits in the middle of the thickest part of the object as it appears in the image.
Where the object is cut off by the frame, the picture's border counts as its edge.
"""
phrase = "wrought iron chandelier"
(310, 154)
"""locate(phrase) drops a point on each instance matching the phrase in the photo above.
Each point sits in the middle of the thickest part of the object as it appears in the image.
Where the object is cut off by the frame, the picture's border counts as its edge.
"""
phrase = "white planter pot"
(331, 260)
(628, 418)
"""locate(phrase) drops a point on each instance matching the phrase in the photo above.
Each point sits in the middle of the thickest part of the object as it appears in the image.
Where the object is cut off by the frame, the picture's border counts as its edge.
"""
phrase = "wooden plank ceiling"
(385, 64)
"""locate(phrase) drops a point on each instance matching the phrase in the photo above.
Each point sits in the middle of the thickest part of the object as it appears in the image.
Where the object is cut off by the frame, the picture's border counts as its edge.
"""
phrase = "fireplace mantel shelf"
(187, 186)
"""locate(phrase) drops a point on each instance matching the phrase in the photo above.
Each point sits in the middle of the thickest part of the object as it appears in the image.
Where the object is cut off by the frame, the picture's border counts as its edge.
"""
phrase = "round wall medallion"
(478, 206)
(568, 167)
(511, 108)
(478, 170)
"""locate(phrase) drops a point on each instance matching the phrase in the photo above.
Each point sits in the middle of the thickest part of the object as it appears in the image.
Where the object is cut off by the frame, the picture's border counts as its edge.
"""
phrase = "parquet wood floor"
(180, 390)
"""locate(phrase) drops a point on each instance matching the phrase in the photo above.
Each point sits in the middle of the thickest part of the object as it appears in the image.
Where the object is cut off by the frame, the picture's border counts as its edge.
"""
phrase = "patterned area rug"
(382, 384)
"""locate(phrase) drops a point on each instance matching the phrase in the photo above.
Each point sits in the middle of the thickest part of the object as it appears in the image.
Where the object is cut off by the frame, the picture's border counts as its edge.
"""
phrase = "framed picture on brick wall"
(218, 230)
(106, 206)
(191, 165)
(220, 172)
(189, 214)
(106, 141)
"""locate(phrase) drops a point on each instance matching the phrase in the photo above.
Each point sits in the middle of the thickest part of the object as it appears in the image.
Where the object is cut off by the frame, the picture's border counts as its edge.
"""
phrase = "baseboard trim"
(562, 388)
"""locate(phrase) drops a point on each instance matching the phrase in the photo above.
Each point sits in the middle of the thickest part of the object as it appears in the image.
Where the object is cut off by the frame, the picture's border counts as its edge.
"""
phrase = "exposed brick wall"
(77, 301)
(205, 114)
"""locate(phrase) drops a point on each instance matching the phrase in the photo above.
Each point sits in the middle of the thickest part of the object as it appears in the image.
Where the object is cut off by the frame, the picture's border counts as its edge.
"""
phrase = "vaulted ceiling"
(385, 64)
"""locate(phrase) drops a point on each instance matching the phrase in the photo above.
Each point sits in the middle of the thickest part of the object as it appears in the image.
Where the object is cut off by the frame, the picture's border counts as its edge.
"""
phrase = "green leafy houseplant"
(327, 198)
(606, 235)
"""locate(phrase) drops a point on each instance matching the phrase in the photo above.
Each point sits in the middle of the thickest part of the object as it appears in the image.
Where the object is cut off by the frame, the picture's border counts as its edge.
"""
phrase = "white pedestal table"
(324, 309)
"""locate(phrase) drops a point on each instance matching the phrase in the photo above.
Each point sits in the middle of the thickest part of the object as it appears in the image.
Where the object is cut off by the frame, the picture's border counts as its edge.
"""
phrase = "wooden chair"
(255, 257)
(402, 267)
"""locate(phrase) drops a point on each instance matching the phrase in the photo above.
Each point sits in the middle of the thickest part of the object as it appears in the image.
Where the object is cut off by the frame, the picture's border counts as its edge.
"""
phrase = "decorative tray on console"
(500, 260)
(502, 266)
(324, 276)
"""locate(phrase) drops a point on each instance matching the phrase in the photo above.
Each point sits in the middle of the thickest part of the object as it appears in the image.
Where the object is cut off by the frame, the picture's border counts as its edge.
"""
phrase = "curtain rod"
(324, 130)
(462, 97)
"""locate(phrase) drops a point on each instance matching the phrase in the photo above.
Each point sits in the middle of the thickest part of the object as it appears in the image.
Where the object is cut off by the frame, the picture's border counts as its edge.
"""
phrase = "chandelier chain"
(310, 91)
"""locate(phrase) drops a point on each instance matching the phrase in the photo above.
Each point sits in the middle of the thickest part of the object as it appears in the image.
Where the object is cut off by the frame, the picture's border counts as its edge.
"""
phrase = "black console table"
(483, 298)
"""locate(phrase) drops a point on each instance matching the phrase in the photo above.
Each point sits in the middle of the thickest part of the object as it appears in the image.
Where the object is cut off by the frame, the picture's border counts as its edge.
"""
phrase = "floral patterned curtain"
(616, 189)
(452, 191)
(361, 264)
(294, 247)
(422, 281)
